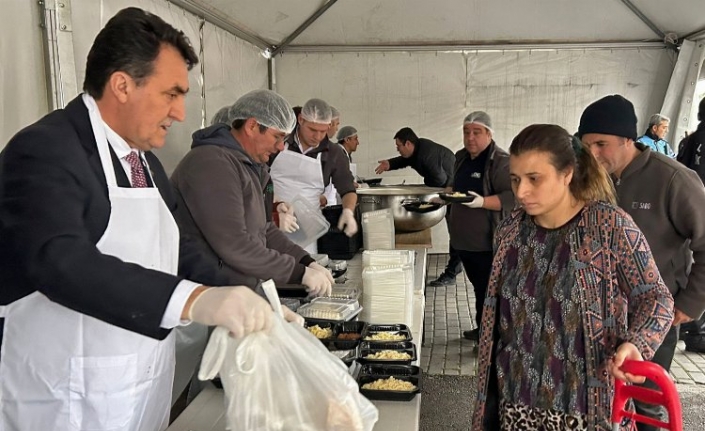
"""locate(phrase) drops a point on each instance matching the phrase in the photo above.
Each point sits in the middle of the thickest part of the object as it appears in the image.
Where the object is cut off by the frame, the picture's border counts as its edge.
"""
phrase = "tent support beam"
(285, 43)
(59, 61)
(695, 35)
(451, 47)
(219, 20)
(635, 10)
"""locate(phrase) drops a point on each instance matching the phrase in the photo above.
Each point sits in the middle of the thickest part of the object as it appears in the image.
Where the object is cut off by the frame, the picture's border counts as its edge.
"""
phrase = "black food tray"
(334, 342)
(415, 207)
(374, 394)
(400, 328)
(448, 197)
(390, 370)
(368, 348)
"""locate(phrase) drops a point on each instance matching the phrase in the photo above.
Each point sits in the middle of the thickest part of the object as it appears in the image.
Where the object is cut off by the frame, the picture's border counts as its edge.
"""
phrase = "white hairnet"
(222, 116)
(317, 111)
(334, 113)
(481, 118)
(265, 106)
(346, 132)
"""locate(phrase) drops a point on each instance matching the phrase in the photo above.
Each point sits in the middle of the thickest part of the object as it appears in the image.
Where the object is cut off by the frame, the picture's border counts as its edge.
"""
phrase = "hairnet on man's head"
(267, 107)
(334, 113)
(481, 118)
(346, 132)
(317, 111)
(222, 116)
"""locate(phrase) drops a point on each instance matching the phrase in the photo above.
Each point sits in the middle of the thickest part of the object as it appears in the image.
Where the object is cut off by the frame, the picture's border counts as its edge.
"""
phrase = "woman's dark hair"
(406, 134)
(130, 42)
(590, 181)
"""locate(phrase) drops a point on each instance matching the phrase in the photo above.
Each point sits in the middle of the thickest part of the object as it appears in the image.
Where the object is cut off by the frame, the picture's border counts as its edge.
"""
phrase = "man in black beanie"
(666, 201)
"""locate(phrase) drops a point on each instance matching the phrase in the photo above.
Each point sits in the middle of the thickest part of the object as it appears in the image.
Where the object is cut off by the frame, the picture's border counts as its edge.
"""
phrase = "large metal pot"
(383, 197)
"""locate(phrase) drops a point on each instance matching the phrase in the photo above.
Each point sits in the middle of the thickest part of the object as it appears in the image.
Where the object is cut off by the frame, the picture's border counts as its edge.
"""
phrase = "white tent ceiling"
(402, 22)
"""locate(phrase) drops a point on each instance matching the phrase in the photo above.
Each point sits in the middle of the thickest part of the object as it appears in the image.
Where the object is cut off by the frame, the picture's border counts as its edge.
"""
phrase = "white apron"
(64, 371)
(332, 193)
(297, 174)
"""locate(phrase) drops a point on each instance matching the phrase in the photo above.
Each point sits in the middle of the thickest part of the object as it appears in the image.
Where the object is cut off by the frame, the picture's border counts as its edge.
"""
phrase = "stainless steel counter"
(207, 411)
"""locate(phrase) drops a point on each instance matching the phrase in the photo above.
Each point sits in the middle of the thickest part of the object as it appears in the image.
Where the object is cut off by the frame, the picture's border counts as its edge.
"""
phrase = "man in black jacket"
(690, 153)
(434, 163)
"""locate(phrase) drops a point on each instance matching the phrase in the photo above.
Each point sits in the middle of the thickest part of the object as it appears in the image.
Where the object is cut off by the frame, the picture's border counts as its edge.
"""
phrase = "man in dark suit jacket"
(65, 300)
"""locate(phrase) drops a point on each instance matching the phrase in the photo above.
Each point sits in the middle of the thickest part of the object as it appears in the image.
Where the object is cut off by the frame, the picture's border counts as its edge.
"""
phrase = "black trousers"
(454, 265)
(663, 357)
(478, 265)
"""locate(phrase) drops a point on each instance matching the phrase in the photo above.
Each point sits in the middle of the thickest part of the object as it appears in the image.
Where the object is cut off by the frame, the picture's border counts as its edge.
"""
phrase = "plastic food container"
(389, 395)
(312, 225)
(330, 309)
(341, 292)
(400, 330)
(369, 348)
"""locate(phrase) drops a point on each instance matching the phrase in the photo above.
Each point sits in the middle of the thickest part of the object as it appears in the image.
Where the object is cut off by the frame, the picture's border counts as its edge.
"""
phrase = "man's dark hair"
(130, 42)
(406, 134)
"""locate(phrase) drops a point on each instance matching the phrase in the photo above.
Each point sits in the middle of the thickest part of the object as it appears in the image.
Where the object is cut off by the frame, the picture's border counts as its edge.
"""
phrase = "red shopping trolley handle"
(667, 396)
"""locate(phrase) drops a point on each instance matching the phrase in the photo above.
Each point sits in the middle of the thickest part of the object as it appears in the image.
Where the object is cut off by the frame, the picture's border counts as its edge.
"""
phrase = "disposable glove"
(237, 308)
(285, 208)
(478, 202)
(317, 267)
(290, 316)
(347, 222)
(287, 223)
(316, 282)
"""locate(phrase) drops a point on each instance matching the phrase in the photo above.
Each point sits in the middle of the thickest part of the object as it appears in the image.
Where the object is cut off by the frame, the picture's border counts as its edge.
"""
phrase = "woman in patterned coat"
(574, 291)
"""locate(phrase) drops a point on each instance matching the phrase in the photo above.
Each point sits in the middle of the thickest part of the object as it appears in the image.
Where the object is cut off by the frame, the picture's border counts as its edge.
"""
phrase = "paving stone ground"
(451, 309)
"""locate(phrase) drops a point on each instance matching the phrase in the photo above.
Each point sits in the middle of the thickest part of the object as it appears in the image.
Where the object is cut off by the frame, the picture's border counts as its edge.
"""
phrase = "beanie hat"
(611, 115)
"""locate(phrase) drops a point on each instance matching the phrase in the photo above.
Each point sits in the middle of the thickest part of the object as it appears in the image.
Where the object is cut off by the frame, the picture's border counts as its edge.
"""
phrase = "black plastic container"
(335, 243)
(322, 325)
(374, 394)
(348, 328)
(389, 370)
(400, 328)
(369, 348)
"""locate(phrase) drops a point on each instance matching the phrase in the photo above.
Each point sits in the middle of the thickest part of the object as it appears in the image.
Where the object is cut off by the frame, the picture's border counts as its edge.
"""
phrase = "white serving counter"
(207, 411)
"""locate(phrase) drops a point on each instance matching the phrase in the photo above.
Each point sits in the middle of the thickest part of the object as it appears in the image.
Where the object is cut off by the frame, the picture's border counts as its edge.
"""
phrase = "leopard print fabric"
(518, 417)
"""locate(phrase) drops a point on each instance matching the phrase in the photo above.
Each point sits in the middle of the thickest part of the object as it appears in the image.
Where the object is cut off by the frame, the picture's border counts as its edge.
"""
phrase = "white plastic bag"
(285, 380)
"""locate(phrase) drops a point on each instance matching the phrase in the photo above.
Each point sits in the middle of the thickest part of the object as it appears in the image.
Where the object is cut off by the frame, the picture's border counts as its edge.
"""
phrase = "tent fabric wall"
(680, 100)
(430, 92)
(23, 95)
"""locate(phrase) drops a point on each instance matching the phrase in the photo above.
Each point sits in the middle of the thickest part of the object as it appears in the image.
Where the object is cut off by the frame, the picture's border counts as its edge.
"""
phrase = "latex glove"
(347, 222)
(322, 201)
(323, 269)
(292, 317)
(285, 208)
(625, 351)
(478, 202)
(437, 200)
(287, 223)
(237, 308)
(382, 167)
(363, 186)
(316, 282)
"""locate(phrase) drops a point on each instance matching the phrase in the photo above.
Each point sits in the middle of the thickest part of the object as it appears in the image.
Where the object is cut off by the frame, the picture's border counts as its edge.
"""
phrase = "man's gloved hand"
(290, 316)
(317, 267)
(287, 219)
(478, 202)
(316, 282)
(347, 222)
(237, 308)
(437, 200)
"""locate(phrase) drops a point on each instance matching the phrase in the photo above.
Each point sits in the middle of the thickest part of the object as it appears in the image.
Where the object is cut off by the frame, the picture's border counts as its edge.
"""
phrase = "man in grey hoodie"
(666, 200)
(220, 187)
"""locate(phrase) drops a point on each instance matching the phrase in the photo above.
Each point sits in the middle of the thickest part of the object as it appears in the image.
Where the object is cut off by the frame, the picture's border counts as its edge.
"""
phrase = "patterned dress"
(618, 296)
(541, 347)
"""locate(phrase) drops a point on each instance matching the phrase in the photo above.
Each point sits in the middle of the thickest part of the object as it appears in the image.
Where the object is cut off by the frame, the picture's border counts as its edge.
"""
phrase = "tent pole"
(303, 27)
(644, 18)
(450, 47)
(695, 35)
(59, 61)
(219, 20)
